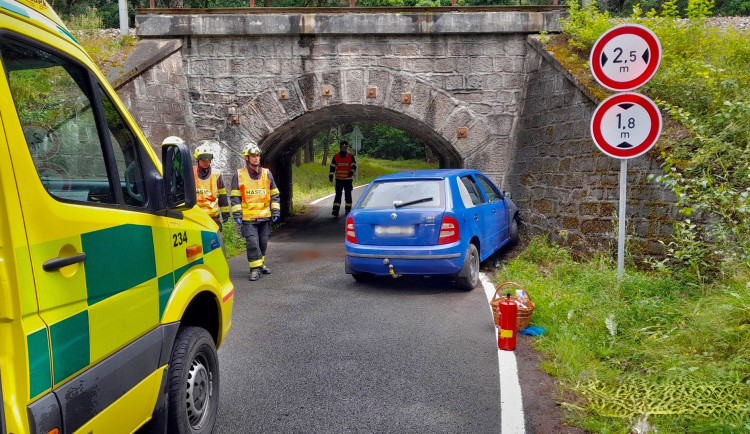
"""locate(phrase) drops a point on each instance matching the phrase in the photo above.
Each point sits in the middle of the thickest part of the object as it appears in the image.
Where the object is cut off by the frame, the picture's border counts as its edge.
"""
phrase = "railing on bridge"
(353, 4)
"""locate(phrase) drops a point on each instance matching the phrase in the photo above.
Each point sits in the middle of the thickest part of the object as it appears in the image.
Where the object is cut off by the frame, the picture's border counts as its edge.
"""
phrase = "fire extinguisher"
(506, 334)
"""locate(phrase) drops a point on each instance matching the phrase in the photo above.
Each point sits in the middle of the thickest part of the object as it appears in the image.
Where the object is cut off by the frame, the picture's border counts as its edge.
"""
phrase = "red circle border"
(634, 98)
(653, 44)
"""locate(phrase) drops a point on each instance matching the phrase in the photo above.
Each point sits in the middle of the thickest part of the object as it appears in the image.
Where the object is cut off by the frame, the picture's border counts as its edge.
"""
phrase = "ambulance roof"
(37, 12)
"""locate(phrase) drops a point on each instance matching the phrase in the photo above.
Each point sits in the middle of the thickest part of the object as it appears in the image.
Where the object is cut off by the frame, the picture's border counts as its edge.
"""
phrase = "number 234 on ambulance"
(115, 291)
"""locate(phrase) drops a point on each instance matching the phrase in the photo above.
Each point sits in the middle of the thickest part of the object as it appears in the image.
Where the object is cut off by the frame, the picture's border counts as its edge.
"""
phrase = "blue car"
(429, 222)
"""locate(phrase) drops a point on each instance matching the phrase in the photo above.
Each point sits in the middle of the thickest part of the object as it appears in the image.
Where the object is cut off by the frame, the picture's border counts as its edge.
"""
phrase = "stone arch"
(280, 120)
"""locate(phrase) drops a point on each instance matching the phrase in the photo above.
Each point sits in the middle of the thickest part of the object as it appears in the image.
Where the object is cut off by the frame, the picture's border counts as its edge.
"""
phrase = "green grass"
(648, 344)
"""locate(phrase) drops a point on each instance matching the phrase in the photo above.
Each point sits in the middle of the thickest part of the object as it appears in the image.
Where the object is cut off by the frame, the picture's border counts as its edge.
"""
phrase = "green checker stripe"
(40, 377)
(117, 259)
(166, 284)
(70, 345)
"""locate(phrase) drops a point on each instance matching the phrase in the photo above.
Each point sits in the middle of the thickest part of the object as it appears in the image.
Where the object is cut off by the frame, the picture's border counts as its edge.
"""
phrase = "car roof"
(425, 174)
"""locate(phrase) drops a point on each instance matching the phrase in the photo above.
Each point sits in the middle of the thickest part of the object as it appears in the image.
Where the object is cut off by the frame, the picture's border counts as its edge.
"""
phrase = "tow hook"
(387, 262)
(393, 273)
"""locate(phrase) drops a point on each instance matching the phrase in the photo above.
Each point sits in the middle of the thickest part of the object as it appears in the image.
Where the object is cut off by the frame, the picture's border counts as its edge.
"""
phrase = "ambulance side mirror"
(179, 184)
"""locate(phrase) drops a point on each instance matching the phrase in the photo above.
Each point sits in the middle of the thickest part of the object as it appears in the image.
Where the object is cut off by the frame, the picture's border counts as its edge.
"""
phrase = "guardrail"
(351, 9)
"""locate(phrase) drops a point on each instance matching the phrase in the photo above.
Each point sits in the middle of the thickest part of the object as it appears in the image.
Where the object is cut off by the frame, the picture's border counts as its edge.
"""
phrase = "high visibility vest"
(343, 165)
(256, 194)
(207, 193)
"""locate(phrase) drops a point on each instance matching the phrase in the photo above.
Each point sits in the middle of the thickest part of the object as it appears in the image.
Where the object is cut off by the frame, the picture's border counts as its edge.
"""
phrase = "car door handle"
(494, 210)
(57, 263)
(476, 217)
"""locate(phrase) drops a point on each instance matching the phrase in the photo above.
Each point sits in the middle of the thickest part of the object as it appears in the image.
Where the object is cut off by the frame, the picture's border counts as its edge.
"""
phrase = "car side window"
(472, 189)
(58, 115)
(493, 194)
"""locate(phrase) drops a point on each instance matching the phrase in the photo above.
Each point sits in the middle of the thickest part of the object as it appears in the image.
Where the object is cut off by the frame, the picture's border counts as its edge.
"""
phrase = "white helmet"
(203, 152)
(172, 140)
(251, 149)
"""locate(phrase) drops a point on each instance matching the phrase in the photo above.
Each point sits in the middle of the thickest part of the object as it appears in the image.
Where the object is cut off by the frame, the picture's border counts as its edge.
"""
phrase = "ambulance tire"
(193, 383)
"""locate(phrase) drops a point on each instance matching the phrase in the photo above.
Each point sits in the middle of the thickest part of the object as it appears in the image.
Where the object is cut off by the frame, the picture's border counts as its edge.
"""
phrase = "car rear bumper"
(418, 260)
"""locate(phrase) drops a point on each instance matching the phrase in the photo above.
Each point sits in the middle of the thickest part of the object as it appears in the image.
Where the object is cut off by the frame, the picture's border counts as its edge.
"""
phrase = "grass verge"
(648, 349)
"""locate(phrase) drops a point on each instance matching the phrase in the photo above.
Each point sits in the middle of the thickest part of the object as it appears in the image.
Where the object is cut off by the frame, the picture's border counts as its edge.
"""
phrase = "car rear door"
(479, 214)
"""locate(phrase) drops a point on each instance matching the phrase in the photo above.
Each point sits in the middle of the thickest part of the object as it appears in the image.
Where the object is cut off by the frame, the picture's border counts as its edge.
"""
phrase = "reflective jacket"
(254, 195)
(343, 166)
(210, 192)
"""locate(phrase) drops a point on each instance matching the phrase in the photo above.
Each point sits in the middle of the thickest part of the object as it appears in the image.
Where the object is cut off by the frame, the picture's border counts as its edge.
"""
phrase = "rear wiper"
(412, 202)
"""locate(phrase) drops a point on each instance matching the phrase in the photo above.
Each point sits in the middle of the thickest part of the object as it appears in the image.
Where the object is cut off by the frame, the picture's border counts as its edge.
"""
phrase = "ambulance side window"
(74, 160)
(125, 148)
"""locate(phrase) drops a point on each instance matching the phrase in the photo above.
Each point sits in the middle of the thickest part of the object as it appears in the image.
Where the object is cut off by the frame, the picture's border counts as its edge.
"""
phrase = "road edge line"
(511, 401)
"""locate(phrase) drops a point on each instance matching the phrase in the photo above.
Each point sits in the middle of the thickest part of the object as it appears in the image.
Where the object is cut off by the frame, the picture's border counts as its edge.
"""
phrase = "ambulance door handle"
(57, 263)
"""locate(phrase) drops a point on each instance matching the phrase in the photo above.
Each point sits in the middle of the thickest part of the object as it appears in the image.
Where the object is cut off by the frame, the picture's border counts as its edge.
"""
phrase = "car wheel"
(361, 277)
(193, 383)
(468, 277)
(513, 236)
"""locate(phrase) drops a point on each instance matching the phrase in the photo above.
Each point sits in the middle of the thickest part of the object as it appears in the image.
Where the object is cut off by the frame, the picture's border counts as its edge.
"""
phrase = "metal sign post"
(627, 124)
(621, 216)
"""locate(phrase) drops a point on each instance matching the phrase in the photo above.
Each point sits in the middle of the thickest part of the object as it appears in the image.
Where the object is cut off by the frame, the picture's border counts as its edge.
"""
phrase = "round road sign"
(625, 57)
(626, 125)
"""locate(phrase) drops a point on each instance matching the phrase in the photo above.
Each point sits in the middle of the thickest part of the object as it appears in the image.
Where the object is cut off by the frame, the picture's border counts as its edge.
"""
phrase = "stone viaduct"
(474, 84)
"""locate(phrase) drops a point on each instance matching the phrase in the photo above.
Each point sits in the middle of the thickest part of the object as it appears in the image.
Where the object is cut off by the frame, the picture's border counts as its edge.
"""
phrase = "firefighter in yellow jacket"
(209, 186)
(255, 204)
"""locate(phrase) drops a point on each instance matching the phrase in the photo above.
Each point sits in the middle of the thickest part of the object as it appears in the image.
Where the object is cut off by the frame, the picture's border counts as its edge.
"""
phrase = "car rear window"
(404, 194)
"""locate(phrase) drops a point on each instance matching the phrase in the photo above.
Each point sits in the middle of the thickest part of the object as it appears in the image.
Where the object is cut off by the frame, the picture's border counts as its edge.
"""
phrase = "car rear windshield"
(404, 194)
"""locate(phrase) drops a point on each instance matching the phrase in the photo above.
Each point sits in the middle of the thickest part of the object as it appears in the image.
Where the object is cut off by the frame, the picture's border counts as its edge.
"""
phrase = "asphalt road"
(313, 351)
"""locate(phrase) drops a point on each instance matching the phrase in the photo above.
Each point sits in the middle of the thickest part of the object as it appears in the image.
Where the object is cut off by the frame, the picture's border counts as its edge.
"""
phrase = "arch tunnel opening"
(282, 144)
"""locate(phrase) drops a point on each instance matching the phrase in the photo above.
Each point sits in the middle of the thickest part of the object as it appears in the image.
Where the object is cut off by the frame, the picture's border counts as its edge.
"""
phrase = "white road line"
(331, 195)
(511, 403)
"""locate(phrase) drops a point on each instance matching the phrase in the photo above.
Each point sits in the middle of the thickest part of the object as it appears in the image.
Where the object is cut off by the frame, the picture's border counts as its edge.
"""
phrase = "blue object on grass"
(532, 331)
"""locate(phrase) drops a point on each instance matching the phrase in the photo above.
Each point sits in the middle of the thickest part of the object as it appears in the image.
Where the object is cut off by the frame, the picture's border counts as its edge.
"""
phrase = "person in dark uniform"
(342, 168)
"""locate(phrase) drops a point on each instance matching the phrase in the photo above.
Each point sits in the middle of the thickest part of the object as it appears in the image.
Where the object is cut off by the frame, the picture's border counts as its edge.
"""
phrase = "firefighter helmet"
(203, 152)
(251, 149)
(172, 140)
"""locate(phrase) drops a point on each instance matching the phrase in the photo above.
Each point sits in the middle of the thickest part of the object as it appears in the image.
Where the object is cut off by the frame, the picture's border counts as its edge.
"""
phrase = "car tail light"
(449, 232)
(351, 236)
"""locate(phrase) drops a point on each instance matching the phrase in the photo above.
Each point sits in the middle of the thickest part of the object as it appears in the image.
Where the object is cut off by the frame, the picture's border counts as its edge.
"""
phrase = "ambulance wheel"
(468, 277)
(193, 383)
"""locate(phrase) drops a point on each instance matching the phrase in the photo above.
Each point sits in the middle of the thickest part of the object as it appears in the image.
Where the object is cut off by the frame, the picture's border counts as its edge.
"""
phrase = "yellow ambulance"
(115, 292)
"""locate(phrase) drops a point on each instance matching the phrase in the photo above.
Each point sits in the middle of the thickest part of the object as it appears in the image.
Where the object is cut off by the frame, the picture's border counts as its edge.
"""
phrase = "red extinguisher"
(506, 334)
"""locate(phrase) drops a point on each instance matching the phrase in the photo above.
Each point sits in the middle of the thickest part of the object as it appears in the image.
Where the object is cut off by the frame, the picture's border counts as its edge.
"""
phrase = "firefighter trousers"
(346, 186)
(256, 240)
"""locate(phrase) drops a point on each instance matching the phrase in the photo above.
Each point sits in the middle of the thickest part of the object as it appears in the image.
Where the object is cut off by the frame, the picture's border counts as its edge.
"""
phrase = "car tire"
(193, 383)
(468, 277)
(361, 277)
(513, 236)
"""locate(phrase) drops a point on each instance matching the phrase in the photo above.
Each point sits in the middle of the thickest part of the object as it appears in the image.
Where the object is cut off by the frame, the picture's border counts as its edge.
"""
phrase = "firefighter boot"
(265, 270)
(254, 274)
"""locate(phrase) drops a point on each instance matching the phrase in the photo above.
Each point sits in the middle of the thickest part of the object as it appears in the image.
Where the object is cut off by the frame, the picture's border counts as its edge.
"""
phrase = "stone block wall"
(158, 101)
(565, 186)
